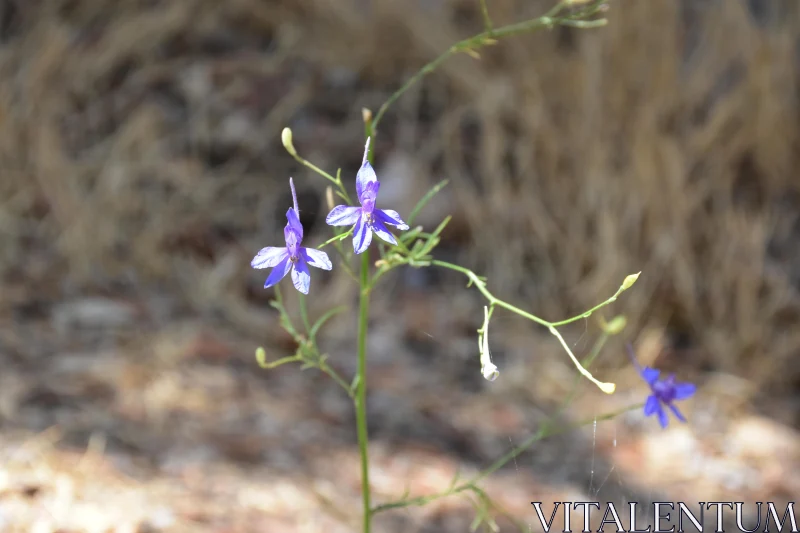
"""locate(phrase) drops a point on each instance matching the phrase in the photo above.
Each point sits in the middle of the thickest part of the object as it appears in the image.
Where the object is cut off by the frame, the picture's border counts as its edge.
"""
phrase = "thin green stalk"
(493, 300)
(588, 313)
(548, 429)
(608, 388)
(304, 313)
(336, 181)
(487, 21)
(489, 36)
(544, 431)
(361, 394)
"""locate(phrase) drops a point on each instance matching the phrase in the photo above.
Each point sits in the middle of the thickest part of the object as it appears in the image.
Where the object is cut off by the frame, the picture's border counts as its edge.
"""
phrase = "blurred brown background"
(142, 169)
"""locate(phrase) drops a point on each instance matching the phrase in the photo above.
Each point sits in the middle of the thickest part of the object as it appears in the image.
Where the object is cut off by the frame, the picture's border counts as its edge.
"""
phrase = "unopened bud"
(366, 115)
(261, 356)
(488, 369)
(472, 53)
(329, 197)
(286, 139)
(629, 281)
(608, 388)
(616, 325)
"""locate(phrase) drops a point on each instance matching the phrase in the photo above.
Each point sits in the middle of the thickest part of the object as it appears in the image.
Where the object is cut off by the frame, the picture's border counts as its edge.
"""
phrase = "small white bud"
(488, 369)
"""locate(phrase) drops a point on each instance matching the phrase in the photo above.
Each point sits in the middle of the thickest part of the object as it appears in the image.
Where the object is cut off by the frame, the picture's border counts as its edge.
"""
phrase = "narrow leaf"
(425, 199)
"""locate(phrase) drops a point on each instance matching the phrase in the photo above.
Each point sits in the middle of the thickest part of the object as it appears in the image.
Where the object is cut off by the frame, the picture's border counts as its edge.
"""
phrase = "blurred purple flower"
(366, 218)
(293, 257)
(664, 392)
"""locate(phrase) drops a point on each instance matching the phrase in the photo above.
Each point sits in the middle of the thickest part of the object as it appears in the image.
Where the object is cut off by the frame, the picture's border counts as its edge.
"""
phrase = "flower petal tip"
(269, 257)
(317, 258)
(301, 277)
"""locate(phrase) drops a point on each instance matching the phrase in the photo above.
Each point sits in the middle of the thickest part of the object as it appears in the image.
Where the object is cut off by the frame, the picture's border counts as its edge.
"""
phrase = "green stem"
(304, 313)
(336, 181)
(489, 35)
(361, 393)
(588, 313)
(487, 21)
(545, 431)
(493, 300)
(548, 429)
(480, 284)
(323, 366)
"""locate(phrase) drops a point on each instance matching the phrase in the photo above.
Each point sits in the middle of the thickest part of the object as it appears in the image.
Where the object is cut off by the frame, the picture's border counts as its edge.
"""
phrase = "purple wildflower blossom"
(664, 392)
(293, 257)
(366, 218)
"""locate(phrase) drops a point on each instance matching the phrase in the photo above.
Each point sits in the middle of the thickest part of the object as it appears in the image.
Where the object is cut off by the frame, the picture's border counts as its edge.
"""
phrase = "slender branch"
(487, 21)
(361, 392)
(323, 366)
(263, 363)
(304, 313)
(625, 286)
(308, 351)
(608, 388)
(315, 168)
(543, 432)
(335, 239)
(288, 144)
(488, 36)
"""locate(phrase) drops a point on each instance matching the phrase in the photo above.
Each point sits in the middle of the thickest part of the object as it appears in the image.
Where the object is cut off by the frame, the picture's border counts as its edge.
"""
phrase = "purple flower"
(293, 257)
(366, 218)
(664, 392)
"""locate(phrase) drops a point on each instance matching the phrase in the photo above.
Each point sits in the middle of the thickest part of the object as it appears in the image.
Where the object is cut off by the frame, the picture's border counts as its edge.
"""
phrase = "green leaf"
(409, 235)
(425, 199)
(324, 318)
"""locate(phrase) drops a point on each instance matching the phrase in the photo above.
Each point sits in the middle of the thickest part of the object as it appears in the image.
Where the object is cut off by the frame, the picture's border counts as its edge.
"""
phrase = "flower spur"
(664, 392)
(366, 219)
(293, 257)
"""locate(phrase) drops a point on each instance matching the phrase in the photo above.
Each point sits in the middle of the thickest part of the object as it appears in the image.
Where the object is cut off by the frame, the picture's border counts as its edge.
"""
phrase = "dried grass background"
(141, 163)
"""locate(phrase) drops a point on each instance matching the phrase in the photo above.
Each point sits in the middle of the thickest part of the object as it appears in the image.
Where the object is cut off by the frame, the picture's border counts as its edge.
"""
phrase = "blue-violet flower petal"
(366, 219)
(293, 257)
(664, 392)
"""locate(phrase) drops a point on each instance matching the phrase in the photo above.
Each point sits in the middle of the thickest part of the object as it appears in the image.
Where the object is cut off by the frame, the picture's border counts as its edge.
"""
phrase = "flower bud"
(329, 198)
(488, 369)
(261, 356)
(616, 325)
(608, 388)
(629, 281)
(286, 139)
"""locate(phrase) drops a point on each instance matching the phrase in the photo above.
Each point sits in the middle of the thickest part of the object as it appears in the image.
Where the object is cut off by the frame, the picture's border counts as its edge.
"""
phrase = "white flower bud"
(488, 369)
